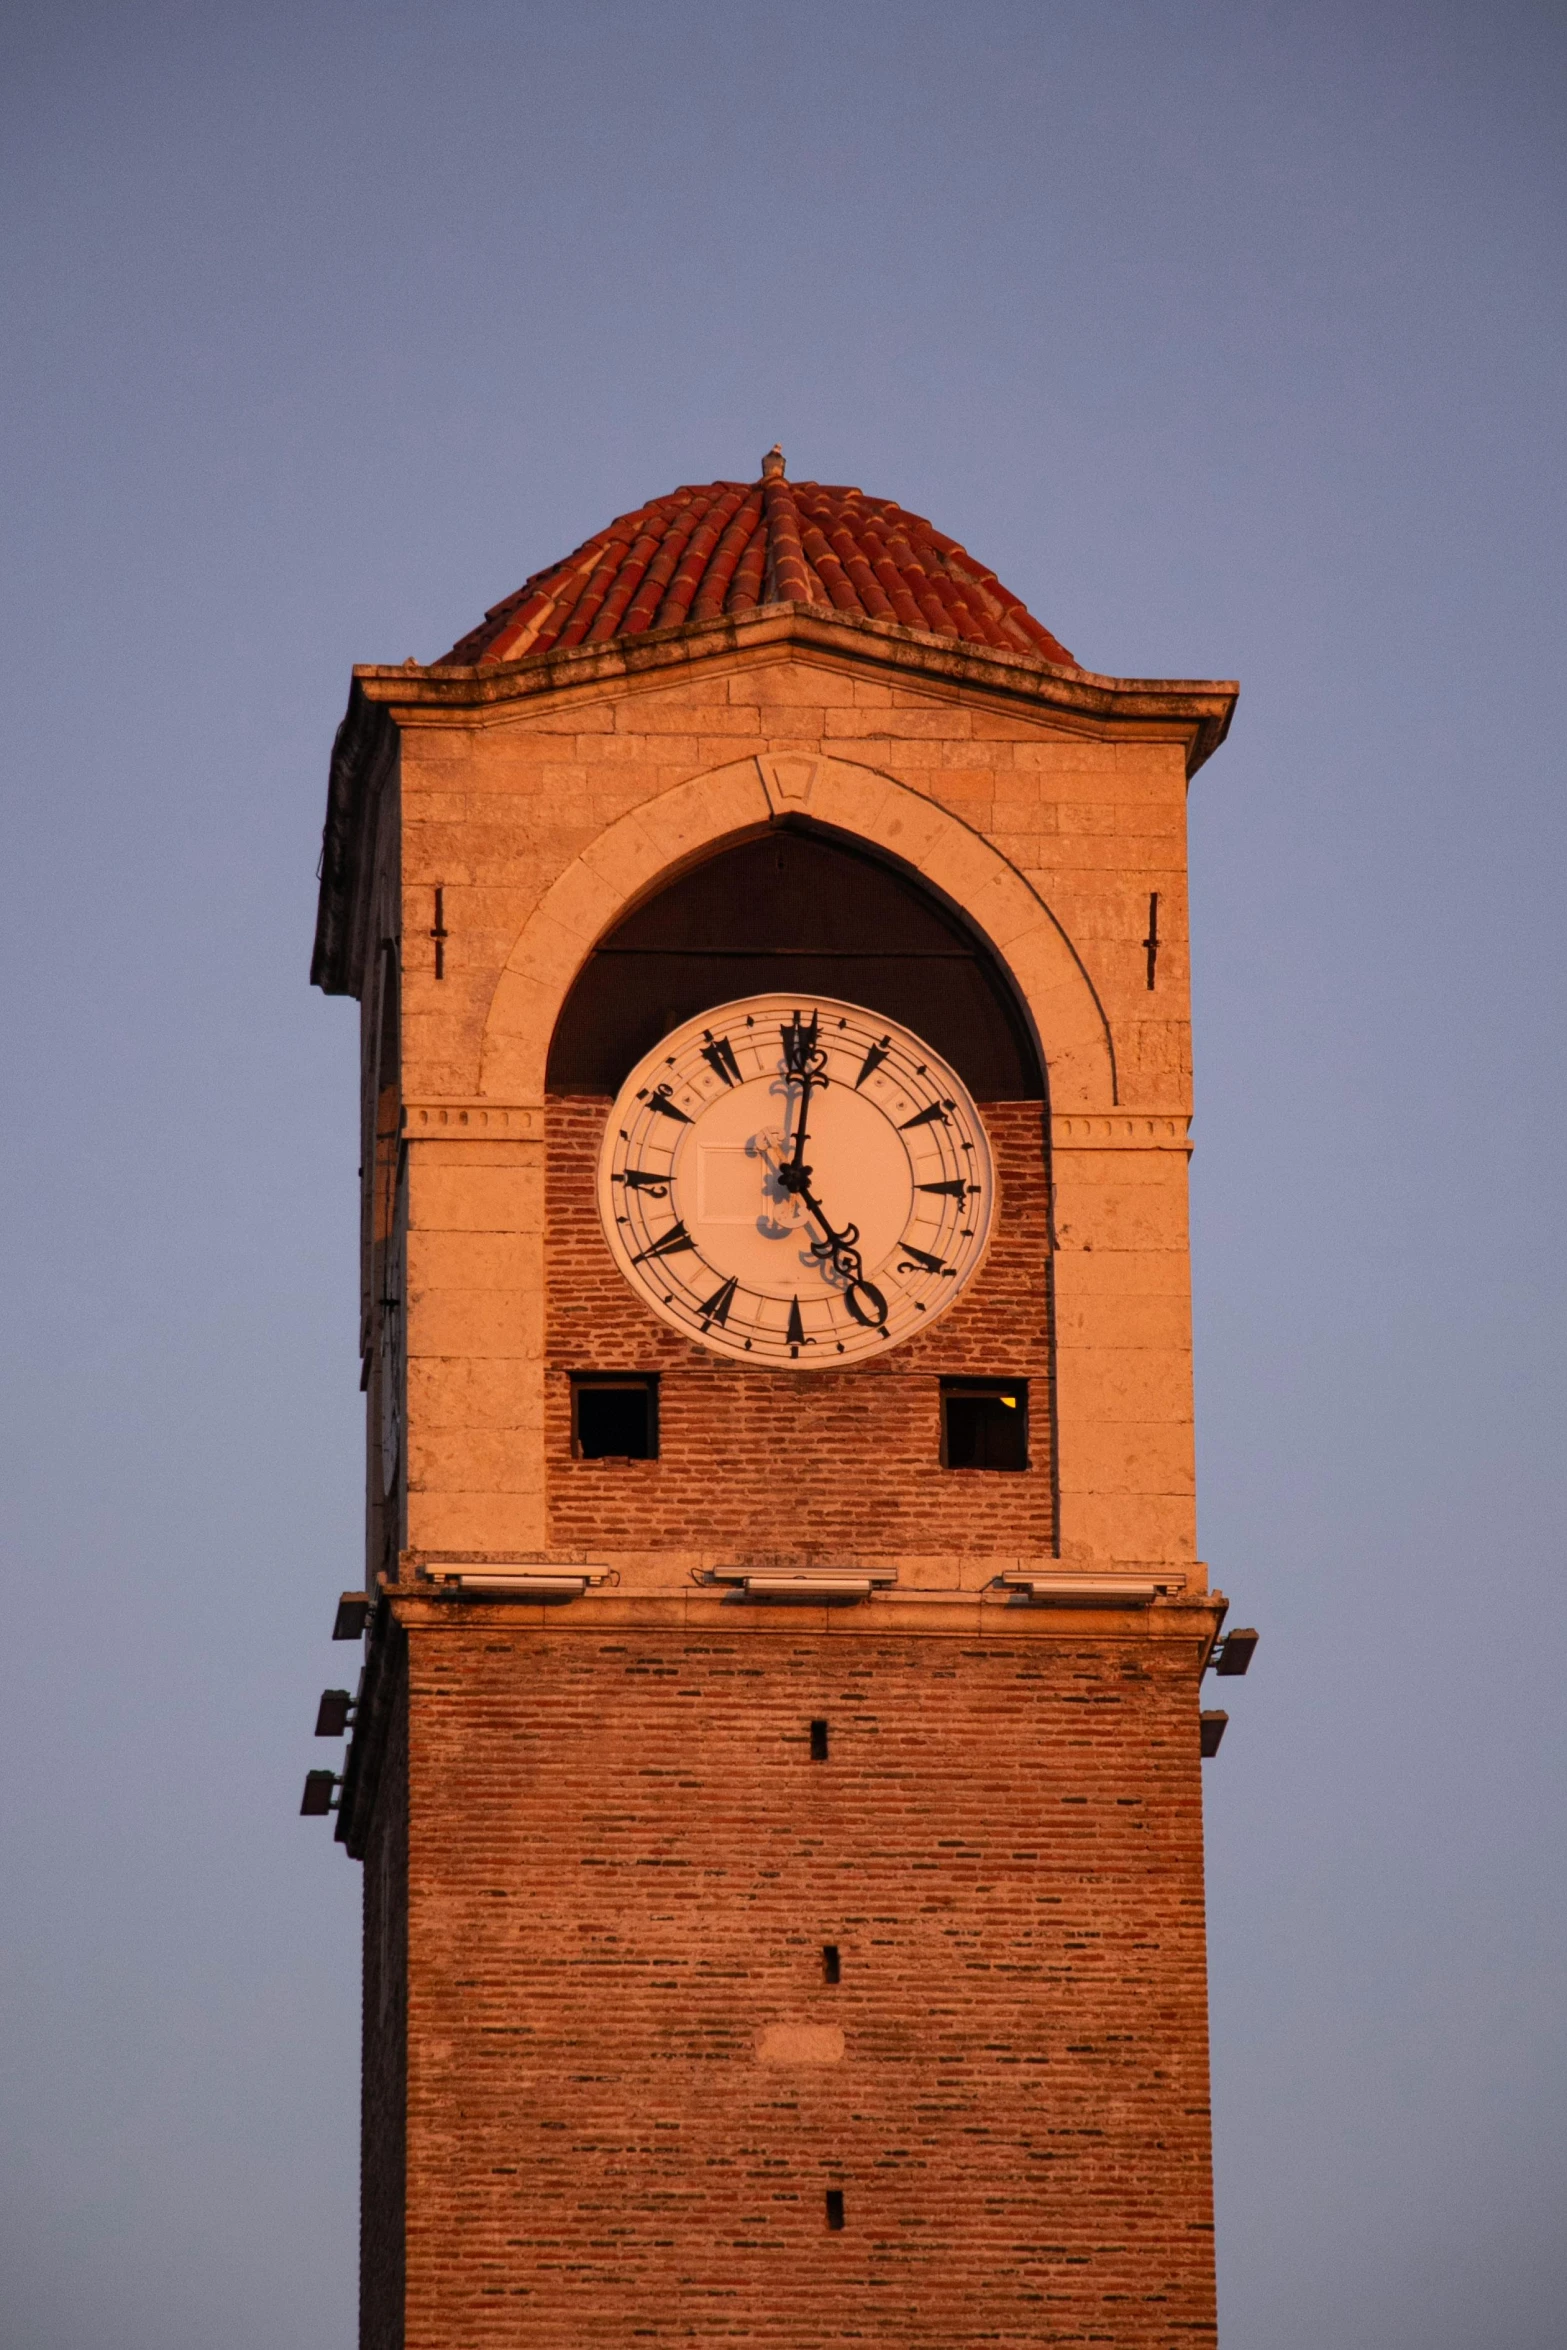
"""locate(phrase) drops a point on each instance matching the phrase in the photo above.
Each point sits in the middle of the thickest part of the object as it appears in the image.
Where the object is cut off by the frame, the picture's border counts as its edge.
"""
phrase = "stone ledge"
(1122, 1130)
(465, 1118)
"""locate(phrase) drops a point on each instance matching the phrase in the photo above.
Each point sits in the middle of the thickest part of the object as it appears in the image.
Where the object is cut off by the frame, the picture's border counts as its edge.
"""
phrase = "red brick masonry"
(623, 1868)
(834, 1463)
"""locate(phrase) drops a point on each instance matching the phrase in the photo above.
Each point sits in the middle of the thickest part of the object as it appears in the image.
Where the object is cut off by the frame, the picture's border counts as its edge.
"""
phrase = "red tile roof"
(727, 547)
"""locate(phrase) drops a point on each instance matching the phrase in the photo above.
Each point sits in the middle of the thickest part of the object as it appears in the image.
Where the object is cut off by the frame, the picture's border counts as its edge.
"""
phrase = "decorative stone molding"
(787, 782)
(1130, 1130)
(473, 1120)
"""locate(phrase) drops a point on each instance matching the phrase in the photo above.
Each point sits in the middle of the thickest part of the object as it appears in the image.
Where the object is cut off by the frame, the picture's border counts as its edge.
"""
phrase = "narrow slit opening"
(835, 2208)
(832, 1969)
(818, 1742)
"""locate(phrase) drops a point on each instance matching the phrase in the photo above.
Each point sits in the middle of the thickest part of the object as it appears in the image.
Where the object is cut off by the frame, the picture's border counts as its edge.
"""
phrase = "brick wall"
(384, 2077)
(626, 2092)
(824, 1463)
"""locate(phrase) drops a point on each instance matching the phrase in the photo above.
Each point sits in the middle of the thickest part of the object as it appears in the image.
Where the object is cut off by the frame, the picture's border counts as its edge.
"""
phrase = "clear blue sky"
(1232, 336)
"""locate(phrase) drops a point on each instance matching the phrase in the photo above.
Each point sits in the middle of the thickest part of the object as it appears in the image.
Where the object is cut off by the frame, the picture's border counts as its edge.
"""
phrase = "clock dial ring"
(796, 1250)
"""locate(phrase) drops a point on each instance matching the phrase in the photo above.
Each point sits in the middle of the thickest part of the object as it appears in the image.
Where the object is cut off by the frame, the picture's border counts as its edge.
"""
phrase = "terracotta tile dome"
(726, 548)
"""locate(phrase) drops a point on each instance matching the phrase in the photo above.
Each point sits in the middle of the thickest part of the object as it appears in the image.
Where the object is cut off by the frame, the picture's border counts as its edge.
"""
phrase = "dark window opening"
(804, 910)
(835, 2207)
(818, 1742)
(984, 1423)
(831, 1968)
(613, 1418)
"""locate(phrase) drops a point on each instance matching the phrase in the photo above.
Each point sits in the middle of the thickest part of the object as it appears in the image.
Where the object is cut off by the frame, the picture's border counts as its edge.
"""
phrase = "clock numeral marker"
(922, 1259)
(717, 1307)
(956, 1189)
(719, 1054)
(639, 1179)
(674, 1240)
(936, 1115)
(876, 1319)
(872, 1061)
(801, 1055)
(659, 1100)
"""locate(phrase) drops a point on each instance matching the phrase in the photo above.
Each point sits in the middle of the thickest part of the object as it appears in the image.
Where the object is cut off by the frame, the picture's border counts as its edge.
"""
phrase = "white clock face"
(796, 1182)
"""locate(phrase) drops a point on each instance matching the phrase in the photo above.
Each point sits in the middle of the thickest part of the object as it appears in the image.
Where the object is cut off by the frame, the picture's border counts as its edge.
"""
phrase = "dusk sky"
(1231, 337)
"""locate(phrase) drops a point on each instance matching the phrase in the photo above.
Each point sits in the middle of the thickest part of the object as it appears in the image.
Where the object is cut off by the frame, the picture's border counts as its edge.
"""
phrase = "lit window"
(984, 1423)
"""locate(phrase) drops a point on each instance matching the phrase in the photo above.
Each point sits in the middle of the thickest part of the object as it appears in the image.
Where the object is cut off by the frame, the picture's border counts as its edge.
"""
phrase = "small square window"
(613, 1417)
(984, 1423)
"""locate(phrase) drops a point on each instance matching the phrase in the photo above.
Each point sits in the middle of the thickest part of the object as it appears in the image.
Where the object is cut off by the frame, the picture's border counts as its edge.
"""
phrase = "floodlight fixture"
(332, 1715)
(1062, 1588)
(318, 1799)
(353, 1612)
(1234, 1653)
(804, 1582)
(1213, 1727)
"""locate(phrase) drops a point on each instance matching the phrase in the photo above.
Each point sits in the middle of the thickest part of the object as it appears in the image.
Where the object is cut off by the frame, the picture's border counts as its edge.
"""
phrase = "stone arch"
(649, 845)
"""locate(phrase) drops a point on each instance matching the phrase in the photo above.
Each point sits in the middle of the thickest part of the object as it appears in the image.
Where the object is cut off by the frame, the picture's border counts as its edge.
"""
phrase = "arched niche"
(798, 909)
(652, 845)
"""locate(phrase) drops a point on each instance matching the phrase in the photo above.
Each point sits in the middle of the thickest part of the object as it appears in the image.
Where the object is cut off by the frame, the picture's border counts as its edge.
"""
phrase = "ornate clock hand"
(805, 1059)
(795, 1174)
(838, 1249)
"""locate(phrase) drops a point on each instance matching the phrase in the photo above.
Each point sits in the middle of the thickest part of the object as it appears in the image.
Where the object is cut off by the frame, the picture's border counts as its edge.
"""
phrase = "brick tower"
(776, 1760)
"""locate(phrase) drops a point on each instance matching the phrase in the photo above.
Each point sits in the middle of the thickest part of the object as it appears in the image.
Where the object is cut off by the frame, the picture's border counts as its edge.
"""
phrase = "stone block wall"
(541, 820)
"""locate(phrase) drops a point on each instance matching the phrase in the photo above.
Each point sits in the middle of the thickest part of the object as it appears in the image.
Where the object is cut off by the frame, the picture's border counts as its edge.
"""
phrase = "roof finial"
(773, 463)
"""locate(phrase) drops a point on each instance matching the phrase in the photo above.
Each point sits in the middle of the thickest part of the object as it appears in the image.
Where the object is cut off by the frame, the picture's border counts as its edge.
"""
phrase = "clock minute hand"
(804, 1059)
(792, 1175)
(837, 1246)
(838, 1249)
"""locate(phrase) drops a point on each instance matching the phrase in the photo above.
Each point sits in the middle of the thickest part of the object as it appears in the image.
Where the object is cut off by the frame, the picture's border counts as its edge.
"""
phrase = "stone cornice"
(1122, 1130)
(472, 1119)
(1199, 708)
(1009, 1615)
(1195, 712)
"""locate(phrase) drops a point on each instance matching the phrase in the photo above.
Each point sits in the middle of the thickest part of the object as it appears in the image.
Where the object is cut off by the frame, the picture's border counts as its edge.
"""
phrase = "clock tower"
(775, 1763)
